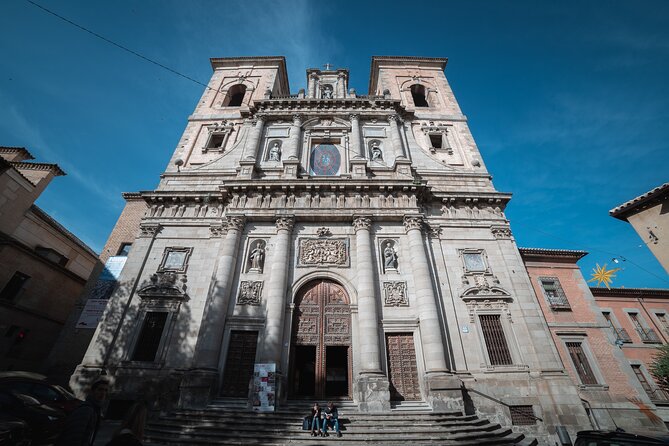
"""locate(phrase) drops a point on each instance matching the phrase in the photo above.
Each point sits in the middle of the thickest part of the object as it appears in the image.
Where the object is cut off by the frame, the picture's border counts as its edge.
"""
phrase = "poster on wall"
(264, 387)
(92, 313)
(98, 295)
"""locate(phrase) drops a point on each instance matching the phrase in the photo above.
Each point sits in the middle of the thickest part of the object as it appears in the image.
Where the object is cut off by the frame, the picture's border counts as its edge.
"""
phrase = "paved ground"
(105, 432)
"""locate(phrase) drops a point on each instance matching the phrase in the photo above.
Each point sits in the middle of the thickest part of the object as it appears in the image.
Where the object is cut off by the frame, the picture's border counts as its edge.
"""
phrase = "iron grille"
(622, 335)
(581, 363)
(493, 334)
(522, 415)
(555, 295)
(648, 336)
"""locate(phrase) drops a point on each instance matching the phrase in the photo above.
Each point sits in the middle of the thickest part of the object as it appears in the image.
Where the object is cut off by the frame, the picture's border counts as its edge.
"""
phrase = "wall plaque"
(333, 252)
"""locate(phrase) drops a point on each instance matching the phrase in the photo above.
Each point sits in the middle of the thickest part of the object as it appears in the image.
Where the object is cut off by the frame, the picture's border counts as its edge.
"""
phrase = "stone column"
(276, 293)
(200, 381)
(371, 386)
(368, 320)
(312, 85)
(428, 313)
(251, 147)
(295, 136)
(341, 85)
(395, 136)
(357, 145)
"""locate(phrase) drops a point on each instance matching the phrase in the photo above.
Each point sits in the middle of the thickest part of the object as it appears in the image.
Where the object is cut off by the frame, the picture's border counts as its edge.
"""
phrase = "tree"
(659, 368)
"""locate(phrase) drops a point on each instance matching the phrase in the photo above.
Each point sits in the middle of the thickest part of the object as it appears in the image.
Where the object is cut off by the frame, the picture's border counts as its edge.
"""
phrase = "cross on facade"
(327, 66)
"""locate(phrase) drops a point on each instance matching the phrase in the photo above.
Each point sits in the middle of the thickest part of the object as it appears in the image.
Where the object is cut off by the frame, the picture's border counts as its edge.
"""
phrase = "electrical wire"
(118, 45)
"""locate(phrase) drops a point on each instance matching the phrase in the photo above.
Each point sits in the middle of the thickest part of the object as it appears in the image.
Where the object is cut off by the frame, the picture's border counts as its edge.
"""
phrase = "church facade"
(355, 243)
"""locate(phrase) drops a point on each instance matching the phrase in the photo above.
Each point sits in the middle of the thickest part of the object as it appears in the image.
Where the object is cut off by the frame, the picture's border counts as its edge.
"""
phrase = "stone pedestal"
(444, 392)
(246, 168)
(372, 392)
(197, 388)
(359, 168)
(290, 167)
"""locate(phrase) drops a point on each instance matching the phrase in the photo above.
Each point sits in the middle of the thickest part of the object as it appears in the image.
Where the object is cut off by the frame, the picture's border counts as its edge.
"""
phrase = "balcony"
(622, 335)
(648, 336)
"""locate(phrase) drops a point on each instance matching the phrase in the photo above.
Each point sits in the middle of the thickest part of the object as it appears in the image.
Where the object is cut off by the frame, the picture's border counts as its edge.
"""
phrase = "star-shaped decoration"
(602, 275)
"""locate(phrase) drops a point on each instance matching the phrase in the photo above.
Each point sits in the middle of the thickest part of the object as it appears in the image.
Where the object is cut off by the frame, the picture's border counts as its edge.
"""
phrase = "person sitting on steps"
(331, 417)
(316, 420)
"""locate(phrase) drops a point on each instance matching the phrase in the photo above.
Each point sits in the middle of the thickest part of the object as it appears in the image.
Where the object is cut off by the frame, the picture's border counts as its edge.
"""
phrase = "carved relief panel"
(323, 252)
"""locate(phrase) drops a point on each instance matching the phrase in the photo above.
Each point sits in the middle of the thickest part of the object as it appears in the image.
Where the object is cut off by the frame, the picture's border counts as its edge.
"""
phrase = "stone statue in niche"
(275, 152)
(257, 257)
(327, 92)
(389, 257)
(377, 155)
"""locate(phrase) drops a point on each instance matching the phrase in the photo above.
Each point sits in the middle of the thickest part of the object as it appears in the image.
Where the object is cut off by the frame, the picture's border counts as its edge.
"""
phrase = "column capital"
(413, 222)
(354, 116)
(362, 223)
(216, 230)
(235, 222)
(259, 119)
(297, 119)
(285, 223)
(149, 230)
(393, 118)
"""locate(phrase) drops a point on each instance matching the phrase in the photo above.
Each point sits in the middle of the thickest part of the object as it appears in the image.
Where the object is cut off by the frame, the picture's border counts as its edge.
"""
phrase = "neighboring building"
(353, 246)
(639, 318)
(82, 322)
(43, 266)
(613, 384)
(649, 216)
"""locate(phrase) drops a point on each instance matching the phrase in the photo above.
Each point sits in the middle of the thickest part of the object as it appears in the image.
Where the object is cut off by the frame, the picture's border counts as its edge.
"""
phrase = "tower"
(354, 243)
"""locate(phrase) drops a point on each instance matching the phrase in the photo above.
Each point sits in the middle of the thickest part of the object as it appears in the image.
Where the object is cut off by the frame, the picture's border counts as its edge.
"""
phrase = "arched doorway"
(320, 362)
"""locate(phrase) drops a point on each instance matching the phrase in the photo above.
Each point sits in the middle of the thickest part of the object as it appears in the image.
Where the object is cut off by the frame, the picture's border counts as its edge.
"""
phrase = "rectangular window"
(149, 337)
(51, 255)
(12, 289)
(522, 415)
(642, 379)
(554, 293)
(664, 323)
(495, 341)
(436, 141)
(581, 363)
(621, 333)
(647, 335)
(124, 249)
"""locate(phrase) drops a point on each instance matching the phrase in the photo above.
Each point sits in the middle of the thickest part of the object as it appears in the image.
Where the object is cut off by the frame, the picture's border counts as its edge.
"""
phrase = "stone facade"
(356, 242)
(601, 368)
(43, 266)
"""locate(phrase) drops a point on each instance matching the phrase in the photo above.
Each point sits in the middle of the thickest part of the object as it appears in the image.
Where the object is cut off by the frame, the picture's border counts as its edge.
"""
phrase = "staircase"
(228, 422)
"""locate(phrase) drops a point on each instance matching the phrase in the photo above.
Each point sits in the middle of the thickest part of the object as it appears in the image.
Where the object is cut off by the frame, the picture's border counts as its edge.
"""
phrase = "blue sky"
(568, 101)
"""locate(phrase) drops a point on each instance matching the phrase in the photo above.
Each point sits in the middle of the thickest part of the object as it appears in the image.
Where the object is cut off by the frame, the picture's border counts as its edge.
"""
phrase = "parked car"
(44, 422)
(14, 432)
(620, 438)
(37, 386)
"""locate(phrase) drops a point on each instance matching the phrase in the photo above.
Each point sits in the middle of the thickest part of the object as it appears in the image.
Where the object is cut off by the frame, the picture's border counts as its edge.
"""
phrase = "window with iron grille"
(12, 289)
(642, 379)
(522, 415)
(647, 335)
(621, 333)
(150, 336)
(554, 293)
(495, 341)
(581, 363)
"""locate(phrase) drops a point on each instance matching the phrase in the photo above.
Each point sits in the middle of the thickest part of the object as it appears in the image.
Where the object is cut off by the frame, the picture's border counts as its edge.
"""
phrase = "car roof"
(22, 375)
(659, 437)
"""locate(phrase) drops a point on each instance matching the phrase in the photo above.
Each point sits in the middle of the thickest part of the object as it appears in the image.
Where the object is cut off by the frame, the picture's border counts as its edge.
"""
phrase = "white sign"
(113, 268)
(264, 387)
(92, 313)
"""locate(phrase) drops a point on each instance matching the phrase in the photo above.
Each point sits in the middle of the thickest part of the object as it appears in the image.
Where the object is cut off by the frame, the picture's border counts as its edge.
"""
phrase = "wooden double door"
(320, 362)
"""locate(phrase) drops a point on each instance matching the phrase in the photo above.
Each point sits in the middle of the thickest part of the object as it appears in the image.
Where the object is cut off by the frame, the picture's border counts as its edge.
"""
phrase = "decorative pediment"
(165, 285)
(485, 293)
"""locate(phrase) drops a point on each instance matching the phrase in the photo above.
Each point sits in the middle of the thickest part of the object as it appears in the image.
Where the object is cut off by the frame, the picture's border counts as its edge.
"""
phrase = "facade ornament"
(285, 223)
(436, 231)
(323, 232)
(501, 232)
(488, 305)
(275, 152)
(393, 118)
(413, 222)
(297, 119)
(257, 257)
(332, 252)
(362, 223)
(395, 294)
(165, 285)
(354, 116)
(235, 222)
(250, 292)
(377, 154)
(216, 231)
(148, 230)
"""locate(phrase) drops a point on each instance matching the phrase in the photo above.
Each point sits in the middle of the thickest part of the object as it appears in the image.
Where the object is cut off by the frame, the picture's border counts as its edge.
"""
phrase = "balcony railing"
(622, 335)
(648, 336)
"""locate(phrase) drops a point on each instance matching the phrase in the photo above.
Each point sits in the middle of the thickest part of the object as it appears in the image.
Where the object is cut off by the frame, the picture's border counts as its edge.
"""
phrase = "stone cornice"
(649, 199)
(18, 165)
(559, 255)
(624, 293)
(25, 154)
(374, 105)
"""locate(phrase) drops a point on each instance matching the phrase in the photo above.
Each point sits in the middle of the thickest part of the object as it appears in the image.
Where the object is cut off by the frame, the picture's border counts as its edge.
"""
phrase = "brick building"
(43, 266)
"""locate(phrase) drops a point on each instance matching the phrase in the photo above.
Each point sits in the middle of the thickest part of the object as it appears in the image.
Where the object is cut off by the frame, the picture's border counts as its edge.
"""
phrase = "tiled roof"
(659, 193)
(38, 166)
(26, 155)
(50, 220)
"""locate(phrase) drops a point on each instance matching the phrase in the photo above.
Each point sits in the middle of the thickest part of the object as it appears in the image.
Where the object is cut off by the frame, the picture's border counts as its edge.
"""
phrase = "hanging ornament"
(602, 275)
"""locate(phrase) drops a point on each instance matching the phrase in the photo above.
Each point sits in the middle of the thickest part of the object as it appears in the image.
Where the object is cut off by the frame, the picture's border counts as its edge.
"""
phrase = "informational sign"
(92, 313)
(113, 268)
(264, 387)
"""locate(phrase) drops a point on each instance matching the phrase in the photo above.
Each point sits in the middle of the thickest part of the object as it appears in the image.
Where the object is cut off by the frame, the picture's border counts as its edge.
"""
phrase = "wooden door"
(320, 361)
(239, 363)
(402, 368)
